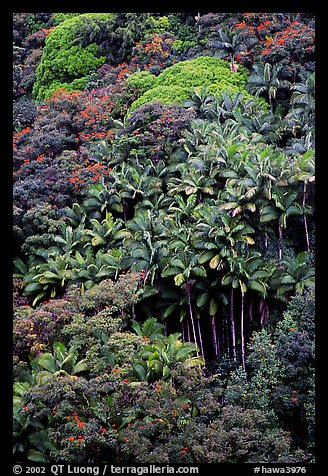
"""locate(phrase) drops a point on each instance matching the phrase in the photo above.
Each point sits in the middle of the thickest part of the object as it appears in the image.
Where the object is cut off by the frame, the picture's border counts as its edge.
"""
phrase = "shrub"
(24, 113)
(176, 83)
(63, 61)
(163, 94)
(75, 412)
(154, 130)
(155, 53)
(140, 82)
(36, 330)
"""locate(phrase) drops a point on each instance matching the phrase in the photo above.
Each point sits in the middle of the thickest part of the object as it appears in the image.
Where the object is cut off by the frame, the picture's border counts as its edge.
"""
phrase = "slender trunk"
(251, 311)
(218, 334)
(233, 332)
(305, 221)
(200, 339)
(192, 318)
(215, 340)
(242, 332)
(263, 312)
(280, 240)
(182, 331)
(226, 333)
(188, 331)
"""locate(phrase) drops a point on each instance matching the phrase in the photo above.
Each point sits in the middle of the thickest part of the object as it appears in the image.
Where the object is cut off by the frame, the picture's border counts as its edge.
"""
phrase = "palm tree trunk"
(192, 318)
(280, 241)
(215, 338)
(188, 331)
(226, 341)
(233, 332)
(263, 312)
(251, 310)
(242, 331)
(200, 338)
(182, 331)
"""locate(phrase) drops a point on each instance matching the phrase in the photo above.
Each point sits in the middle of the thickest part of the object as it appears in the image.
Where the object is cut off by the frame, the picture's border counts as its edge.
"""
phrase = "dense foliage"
(164, 237)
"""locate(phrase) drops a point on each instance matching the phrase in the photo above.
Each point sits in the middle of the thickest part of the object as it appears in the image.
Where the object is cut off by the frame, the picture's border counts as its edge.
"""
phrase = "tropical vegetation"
(164, 237)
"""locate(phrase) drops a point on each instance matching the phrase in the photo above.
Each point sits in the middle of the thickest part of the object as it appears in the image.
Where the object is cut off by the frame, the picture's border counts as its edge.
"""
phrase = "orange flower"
(70, 438)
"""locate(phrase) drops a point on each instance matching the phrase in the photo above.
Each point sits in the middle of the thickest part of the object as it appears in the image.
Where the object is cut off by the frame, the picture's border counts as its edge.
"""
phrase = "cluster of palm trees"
(218, 230)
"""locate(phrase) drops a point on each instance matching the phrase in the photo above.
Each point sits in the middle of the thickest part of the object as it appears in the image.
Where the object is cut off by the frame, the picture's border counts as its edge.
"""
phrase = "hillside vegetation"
(164, 237)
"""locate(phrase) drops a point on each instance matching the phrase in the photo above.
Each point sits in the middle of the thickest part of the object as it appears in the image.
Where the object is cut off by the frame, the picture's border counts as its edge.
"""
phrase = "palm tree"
(182, 264)
(267, 80)
(101, 199)
(284, 205)
(107, 232)
(159, 358)
(144, 249)
(209, 298)
(222, 237)
(48, 279)
(293, 274)
(228, 44)
(303, 171)
(304, 92)
(134, 183)
(62, 361)
(150, 328)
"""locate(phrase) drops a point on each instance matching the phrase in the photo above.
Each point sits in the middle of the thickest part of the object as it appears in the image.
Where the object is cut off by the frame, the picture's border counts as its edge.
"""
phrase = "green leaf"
(48, 362)
(170, 272)
(248, 239)
(215, 261)
(256, 286)
(179, 279)
(97, 240)
(32, 288)
(202, 299)
(81, 366)
(37, 456)
(199, 271)
(268, 217)
(140, 370)
(177, 263)
(205, 256)
(213, 307)
(170, 309)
